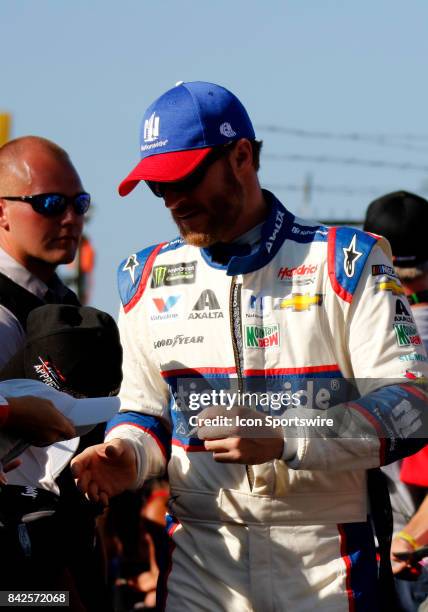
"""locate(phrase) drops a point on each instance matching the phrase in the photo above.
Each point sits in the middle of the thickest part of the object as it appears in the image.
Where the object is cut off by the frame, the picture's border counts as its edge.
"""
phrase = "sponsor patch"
(178, 340)
(164, 308)
(299, 302)
(262, 336)
(295, 274)
(402, 314)
(390, 285)
(174, 274)
(279, 220)
(381, 269)
(49, 374)
(413, 357)
(258, 306)
(206, 307)
(407, 334)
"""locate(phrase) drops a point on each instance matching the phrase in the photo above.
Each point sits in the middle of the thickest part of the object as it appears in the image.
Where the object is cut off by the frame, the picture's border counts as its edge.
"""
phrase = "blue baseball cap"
(180, 129)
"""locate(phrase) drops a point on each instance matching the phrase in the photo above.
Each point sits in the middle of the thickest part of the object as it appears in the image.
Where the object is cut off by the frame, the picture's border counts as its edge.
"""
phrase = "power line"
(335, 189)
(347, 161)
(387, 140)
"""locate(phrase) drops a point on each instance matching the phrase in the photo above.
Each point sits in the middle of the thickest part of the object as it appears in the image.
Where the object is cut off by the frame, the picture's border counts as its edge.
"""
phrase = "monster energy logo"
(174, 274)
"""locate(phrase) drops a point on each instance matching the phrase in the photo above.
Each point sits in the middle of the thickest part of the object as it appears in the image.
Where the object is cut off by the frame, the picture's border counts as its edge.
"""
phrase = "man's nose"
(69, 216)
(173, 199)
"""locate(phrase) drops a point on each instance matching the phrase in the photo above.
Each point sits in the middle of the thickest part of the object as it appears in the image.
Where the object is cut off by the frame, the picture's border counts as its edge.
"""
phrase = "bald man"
(42, 205)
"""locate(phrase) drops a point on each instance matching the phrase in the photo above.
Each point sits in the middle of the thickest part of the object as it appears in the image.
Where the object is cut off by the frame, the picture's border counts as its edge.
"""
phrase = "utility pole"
(307, 196)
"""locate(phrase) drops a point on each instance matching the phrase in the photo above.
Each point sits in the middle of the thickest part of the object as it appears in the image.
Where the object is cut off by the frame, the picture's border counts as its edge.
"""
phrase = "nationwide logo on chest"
(262, 336)
(174, 274)
(299, 302)
(206, 307)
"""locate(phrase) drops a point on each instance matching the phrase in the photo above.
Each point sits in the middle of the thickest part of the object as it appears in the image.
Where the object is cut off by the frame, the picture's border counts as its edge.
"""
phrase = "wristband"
(408, 538)
(4, 411)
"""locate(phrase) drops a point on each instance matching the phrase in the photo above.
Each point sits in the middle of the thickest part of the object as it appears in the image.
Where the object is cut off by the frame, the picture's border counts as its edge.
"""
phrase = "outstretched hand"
(105, 470)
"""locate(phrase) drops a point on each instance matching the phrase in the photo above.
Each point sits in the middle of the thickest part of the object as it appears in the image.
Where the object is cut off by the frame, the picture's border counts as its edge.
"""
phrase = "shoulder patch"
(133, 274)
(348, 250)
(172, 245)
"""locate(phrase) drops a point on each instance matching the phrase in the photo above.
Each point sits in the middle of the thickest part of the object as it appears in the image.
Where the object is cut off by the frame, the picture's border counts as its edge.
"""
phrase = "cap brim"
(164, 167)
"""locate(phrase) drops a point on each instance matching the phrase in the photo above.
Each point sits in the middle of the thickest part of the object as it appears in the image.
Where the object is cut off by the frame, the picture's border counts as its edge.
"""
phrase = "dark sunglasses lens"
(155, 188)
(50, 204)
(82, 203)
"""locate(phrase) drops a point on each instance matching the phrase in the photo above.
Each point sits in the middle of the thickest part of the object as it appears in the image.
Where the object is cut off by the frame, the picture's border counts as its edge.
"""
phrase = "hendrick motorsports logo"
(299, 274)
(261, 336)
(299, 302)
(174, 274)
(406, 335)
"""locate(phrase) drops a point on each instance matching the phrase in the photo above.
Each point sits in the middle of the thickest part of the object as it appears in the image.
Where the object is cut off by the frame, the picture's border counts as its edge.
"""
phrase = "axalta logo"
(258, 336)
(407, 335)
(178, 340)
(299, 302)
(206, 307)
(303, 270)
(279, 220)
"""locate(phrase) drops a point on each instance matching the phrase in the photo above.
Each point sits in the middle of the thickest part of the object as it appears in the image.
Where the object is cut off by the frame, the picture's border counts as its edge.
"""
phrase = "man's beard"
(225, 209)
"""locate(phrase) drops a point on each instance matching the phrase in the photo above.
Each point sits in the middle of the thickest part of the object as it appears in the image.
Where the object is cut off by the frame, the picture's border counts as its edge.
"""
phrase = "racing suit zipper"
(235, 317)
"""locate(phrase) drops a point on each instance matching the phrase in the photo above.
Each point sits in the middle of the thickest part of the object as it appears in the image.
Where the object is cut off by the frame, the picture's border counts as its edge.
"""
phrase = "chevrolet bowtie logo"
(390, 285)
(301, 301)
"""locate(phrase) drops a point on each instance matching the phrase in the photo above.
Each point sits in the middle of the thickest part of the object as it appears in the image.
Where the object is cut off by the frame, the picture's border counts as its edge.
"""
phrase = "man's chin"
(199, 239)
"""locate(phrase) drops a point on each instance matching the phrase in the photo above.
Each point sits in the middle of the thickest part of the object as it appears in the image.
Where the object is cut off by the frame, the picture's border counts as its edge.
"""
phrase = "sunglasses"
(53, 204)
(196, 177)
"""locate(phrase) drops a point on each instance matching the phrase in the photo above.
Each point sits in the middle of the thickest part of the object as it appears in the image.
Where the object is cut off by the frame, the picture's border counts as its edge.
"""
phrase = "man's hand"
(104, 470)
(37, 421)
(399, 545)
(239, 442)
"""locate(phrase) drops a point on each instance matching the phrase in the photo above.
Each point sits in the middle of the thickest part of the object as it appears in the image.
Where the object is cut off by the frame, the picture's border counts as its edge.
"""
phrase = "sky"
(336, 89)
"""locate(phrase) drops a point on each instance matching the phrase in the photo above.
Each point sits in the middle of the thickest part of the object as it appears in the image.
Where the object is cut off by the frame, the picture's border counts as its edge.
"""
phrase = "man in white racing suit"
(252, 298)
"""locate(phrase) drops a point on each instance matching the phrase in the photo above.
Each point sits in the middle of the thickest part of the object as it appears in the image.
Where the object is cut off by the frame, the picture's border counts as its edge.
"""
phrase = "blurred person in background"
(402, 218)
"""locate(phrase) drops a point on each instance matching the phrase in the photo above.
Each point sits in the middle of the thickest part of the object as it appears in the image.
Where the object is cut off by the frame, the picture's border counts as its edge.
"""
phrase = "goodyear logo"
(299, 302)
(390, 285)
(261, 336)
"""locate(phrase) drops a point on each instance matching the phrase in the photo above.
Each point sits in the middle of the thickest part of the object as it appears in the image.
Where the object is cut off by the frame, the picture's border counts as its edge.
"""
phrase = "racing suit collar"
(274, 232)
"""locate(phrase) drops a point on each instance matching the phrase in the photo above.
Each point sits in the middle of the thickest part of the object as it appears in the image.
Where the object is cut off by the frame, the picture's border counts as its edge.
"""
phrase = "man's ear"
(4, 216)
(241, 156)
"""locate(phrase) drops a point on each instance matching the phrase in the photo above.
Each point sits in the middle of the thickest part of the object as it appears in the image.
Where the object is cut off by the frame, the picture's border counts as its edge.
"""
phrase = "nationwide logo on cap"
(151, 128)
(390, 285)
(299, 302)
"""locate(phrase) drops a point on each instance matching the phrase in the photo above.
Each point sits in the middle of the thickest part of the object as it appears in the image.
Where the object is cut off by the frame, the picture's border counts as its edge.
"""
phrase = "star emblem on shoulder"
(351, 257)
(131, 263)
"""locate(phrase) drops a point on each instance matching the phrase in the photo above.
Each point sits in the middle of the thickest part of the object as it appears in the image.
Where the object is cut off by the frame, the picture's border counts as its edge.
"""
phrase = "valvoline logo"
(166, 305)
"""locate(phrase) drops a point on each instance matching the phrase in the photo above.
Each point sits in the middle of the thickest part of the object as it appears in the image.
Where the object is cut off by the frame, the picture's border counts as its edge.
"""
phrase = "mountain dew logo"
(407, 335)
(261, 336)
